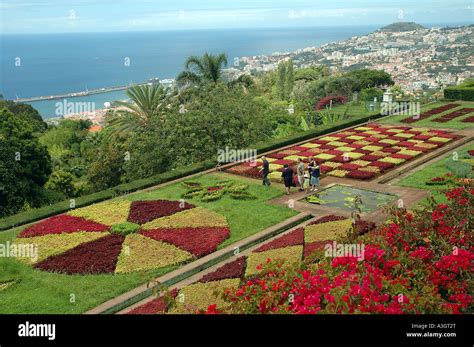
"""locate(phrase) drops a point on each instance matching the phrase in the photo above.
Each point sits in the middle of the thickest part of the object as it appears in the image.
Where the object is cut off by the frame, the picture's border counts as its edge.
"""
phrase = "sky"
(74, 16)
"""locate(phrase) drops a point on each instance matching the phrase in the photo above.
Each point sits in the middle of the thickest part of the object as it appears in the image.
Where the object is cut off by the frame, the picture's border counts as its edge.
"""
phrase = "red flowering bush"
(336, 100)
(420, 262)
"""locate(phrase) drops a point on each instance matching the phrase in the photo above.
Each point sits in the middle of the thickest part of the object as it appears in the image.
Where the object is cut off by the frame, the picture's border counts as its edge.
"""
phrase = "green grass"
(419, 178)
(355, 110)
(452, 124)
(42, 292)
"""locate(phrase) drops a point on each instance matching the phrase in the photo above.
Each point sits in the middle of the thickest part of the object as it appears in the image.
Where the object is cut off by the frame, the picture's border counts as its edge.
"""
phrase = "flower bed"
(430, 113)
(360, 146)
(450, 116)
(468, 120)
(163, 234)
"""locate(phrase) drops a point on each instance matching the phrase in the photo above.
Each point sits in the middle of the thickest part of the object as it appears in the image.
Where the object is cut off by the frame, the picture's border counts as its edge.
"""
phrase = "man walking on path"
(300, 172)
(265, 171)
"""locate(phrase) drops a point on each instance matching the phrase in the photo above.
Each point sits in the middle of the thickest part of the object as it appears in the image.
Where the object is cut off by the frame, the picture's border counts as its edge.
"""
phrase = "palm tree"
(205, 69)
(145, 102)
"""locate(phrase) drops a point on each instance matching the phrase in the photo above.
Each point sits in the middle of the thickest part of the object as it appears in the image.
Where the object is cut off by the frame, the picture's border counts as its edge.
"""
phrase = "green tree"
(63, 182)
(25, 164)
(27, 113)
(145, 103)
(205, 69)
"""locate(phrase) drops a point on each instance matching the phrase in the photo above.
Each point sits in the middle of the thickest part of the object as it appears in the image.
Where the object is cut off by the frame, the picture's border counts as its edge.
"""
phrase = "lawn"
(428, 122)
(355, 110)
(437, 169)
(24, 289)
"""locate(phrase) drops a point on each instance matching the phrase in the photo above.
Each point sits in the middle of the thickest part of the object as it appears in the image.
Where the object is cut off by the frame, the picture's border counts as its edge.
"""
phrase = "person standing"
(315, 175)
(264, 171)
(287, 178)
(300, 173)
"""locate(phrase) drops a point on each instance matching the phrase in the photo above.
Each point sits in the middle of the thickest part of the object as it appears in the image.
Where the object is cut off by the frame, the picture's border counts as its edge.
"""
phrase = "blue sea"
(64, 63)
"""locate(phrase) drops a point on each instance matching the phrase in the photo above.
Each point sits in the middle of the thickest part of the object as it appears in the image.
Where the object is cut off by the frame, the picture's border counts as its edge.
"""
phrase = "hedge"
(462, 92)
(34, 215)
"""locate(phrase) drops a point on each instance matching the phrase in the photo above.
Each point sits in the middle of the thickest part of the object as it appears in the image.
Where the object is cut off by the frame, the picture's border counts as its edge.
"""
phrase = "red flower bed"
(310, 248)
(401, 156)
(235, 269)
(283, 161)
(342, 159)
(471, 152)
(361, 175)
(326, 146)
(142, 212)
(277, 155)
(349, 167)
(429, 113)
(390, 150)
(198, 241)
(420, 149)
(468, 120)
(370, 157)
(422, 137)
(450, 116)
(325, 168)
(62, 224)
(98, 256)
(299, 148)
(155, 306)
(382, 165)
(305, 154)
(335, 152)
(294, 238)
(355, 145)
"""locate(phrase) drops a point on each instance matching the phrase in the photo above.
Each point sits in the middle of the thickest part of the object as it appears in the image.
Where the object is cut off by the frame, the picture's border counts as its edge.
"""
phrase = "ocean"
(43, 65)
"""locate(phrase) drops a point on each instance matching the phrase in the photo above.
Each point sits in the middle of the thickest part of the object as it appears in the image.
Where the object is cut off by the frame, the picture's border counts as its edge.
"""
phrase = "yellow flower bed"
(274, 176)
(327, 231)
(370, 169)
(324, 156)
(372, 148)
(389, 141)
(380, 154)
(316, 150)
(361, 162)
(140, 253)
(274, 167)
(336, 143)
(422, 130)
(404, 135)
(345, 149)
(193, 218)
(380, 136)
(410, 152)
(199, 296)
(439, 139)
(53, 244)
(288, 152)
(294, 157)
(329, 138)
(291, 254)
(415, 141)
(363, 128)
(426, 145)
(355, 137)
(338, 173)
(363, 142)
(332, 164)
(394, 130)
(108, 213)
(310, 145)
(372, 132)
(353, 155)
(396, 161)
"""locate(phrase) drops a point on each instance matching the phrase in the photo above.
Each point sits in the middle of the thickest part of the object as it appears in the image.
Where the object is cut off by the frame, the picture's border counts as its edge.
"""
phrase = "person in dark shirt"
(315, 174)
(265, 171)
(287, 178)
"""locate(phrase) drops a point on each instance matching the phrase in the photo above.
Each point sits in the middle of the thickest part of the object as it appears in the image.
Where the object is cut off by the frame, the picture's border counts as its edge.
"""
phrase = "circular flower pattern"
(122, 236)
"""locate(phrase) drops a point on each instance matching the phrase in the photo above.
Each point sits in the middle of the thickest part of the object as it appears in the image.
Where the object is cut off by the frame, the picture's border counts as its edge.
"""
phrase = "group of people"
(308, 177)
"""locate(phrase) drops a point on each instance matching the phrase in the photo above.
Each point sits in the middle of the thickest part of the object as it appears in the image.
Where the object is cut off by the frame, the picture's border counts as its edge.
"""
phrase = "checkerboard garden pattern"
(361, 153)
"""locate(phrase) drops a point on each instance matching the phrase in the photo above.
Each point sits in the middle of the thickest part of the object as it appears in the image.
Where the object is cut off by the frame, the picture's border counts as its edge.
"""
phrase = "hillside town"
(418, 60)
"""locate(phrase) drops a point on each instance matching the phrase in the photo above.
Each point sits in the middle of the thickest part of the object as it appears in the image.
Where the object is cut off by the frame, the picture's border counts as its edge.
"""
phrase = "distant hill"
(401, 26)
